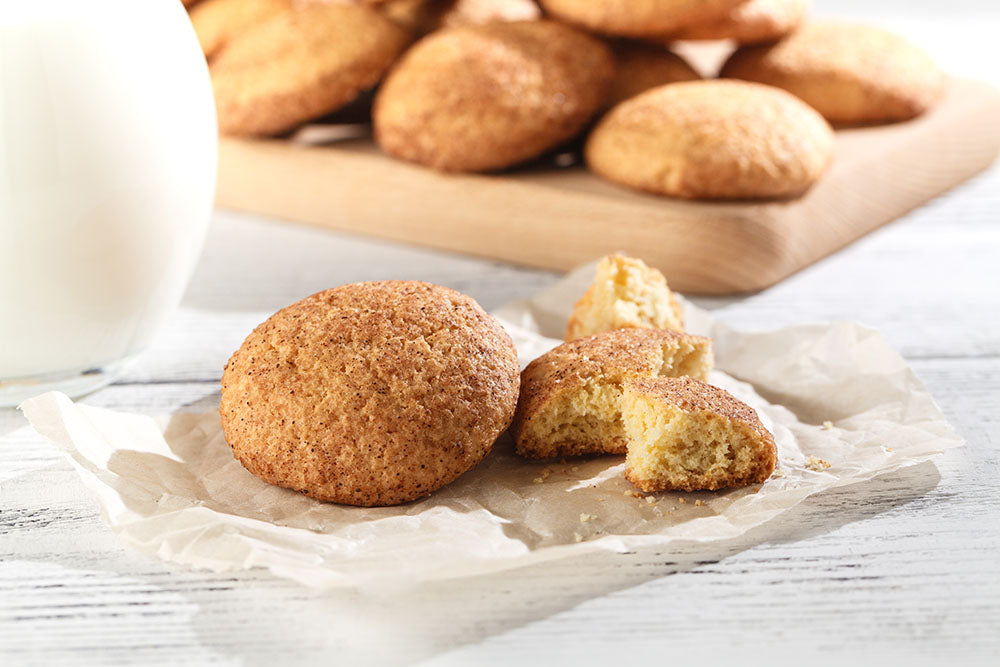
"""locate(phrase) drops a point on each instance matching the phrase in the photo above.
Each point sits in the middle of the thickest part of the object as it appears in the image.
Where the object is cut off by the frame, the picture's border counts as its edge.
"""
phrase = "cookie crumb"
(817, 465)
(778, 472)
(827, 425)
(699, 503)
(681, 501)
(651, 500)
(585, 518)
(600, 500)
(577, 537)
(575, 468)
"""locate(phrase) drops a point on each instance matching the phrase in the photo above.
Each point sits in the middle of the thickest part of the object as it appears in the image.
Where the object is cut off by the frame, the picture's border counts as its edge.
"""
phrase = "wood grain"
(558, 218)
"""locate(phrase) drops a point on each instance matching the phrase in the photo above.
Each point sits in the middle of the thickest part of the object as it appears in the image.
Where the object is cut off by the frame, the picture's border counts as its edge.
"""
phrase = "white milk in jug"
(107, 175)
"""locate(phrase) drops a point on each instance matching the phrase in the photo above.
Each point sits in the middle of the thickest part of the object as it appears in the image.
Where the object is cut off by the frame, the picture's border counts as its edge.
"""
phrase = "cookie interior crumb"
(626, 293)
(673, 445)
(591, 418)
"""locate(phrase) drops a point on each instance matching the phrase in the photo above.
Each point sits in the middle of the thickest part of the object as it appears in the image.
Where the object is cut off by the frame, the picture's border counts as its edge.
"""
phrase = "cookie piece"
(626, 293)
(753, 22)
(217, 21)
(637, 18)
(686, 435)
(481, 98)
(712, 139)
(370, 394)
(570, 396)
(639, 67)
(849, 73)
(300, 65)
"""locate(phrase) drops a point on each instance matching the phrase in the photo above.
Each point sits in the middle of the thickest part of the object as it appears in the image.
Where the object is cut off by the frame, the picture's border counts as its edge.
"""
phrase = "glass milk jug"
(108, 153)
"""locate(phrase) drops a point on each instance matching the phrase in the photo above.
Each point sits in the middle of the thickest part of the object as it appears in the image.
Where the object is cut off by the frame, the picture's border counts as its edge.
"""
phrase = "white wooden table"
(902, 569)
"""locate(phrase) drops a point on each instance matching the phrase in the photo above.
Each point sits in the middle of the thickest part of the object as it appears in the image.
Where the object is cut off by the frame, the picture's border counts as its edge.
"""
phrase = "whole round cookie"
(370, 394)
(752, 22)
(480, 98)
(849, 73)
(299, 65)
(217, 21)
(637, 18)
(639, 67)
(712, 139)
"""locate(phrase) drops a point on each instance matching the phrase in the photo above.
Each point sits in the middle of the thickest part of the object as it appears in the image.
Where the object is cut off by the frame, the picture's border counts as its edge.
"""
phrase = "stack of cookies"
(488, 85)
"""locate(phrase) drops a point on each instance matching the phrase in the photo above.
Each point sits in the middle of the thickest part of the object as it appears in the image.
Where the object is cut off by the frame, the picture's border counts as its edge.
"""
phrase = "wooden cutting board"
(557, 217)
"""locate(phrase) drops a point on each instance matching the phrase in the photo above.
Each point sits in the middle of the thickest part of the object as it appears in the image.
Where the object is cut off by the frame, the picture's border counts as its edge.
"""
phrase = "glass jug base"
(74, 384)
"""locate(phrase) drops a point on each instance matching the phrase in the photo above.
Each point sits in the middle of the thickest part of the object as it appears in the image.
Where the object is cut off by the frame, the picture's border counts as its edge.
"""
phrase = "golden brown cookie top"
(370, 394)
(424, 16)
(637, 18)
(712, 139)
(696, 396)
(611, 357)
(478, 98)
(640, 67)
(849, 73)
(217, 21)
(752, 22)
(301, 64)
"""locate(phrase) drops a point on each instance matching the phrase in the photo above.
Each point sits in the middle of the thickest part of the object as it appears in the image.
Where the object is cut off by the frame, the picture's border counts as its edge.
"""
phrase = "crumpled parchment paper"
(830, 393)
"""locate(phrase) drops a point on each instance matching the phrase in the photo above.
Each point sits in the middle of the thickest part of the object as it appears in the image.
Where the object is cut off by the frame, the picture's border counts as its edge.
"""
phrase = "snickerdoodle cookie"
(712, 139)
(370, 394)
(424, 16)
(640, 67)
(626, 293)
(299, 65)
(849, 73)
(637, 18)
(570, 396)
(686, 435)
(752, 22)
(480, 98)
(217, 21)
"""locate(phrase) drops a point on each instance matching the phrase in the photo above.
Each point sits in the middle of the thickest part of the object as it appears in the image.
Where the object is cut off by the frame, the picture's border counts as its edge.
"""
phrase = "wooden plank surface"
(557, 218)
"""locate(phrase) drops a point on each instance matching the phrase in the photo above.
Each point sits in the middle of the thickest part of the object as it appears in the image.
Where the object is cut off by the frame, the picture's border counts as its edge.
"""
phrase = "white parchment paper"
(830, 393)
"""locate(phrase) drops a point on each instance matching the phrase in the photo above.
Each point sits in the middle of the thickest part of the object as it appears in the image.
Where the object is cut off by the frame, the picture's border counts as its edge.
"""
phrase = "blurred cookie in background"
(851, 74)
(217, 21)
(300, 65)
(639, 67)
(482, 98)
(712, 140)
(425, 16)
(637, 18)
(752, 22)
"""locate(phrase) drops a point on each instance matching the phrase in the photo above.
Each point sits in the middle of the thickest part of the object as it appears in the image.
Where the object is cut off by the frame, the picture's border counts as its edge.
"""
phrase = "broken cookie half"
(687, 435)
(641, 392)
